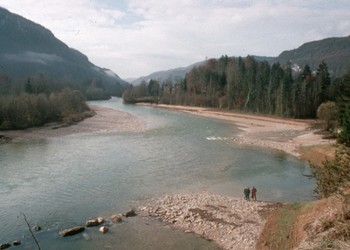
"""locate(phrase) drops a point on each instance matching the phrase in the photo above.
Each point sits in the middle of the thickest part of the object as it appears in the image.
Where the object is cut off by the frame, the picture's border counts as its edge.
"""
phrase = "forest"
(39, 99)
(28, 110)
(244, 84)
(248, 85)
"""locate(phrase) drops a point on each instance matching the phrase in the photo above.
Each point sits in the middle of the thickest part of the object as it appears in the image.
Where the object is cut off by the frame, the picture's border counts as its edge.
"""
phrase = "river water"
(61, 182)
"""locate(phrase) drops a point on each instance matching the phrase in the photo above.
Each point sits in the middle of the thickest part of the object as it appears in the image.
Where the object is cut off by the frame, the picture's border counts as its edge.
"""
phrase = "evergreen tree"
(306, 72)
(344, 136)
(343, 95)
(323, 81)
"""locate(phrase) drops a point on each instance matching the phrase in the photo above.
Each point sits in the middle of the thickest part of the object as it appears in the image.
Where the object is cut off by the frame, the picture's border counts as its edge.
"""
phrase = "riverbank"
(210, 215)
(103, 120)
(293, 136)
(232, 223)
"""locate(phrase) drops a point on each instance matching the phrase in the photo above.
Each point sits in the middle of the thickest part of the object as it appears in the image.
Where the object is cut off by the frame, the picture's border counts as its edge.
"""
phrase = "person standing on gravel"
(254, 193)
(246, 193)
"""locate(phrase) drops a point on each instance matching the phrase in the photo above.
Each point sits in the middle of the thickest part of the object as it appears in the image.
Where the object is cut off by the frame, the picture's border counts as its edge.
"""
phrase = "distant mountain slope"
(334, 51)
(172, 75)
(28, 49)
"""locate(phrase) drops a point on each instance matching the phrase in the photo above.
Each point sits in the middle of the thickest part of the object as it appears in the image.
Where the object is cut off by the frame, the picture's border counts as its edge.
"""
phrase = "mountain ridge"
(335, 51)
(28, 49)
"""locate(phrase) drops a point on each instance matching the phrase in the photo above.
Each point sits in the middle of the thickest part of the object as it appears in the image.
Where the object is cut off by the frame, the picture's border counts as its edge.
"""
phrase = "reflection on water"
(62, 182)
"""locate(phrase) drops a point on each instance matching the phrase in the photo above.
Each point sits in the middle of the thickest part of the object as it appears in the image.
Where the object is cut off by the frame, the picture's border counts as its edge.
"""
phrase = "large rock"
(117, 218)
(36, 228)
(95, 222)
(16, 243)
(5, 246)
(71, 231)
(130, 213)
(104, 229)
(100, 220)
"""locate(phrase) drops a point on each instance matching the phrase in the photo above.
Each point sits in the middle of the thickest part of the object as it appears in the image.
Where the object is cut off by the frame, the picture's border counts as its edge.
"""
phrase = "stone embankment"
(232, 223)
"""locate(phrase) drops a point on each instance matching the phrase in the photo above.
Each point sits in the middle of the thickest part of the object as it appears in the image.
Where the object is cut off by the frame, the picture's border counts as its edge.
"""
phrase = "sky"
(137, 37)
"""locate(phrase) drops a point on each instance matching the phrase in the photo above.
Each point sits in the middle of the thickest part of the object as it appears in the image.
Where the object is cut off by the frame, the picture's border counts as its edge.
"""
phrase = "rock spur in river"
(71, 231)
(231, 222)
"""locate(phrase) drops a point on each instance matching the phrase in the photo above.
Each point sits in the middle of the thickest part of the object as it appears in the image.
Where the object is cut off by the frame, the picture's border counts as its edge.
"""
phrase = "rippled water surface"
(62, 182)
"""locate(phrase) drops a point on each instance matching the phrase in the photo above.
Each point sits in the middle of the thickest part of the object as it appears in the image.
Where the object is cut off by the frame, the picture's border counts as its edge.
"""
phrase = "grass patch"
(316, 154)
(278, 231)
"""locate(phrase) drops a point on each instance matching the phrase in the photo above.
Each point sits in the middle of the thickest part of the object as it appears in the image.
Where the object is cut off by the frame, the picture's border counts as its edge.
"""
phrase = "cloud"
(137, 37)
(33, 57)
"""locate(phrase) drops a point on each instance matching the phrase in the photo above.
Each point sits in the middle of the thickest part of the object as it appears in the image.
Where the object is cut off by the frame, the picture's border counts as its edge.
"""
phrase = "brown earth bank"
(321, 224)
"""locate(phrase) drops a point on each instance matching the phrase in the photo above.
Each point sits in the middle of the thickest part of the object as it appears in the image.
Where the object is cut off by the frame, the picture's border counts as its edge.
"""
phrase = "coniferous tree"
(344, 136)
(343, 95)
(323, 81)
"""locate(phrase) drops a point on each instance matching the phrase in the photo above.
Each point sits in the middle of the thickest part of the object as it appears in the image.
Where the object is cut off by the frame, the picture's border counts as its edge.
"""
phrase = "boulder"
(117, 218)
(103, 229)
(71, 231)
(5, 246)
(36, 228)
(100, 220)
(130, 213)
(92, 223)
(95, 222)
(16, 243)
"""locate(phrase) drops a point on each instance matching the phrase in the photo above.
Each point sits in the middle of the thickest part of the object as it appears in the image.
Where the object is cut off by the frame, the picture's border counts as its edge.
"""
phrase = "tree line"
(248, 85)
(244, 84)
(92, 89)
(40, 99)
(29, 110)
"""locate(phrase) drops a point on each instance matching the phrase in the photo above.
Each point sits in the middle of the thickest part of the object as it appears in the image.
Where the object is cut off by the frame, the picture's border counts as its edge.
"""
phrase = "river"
(61, 182)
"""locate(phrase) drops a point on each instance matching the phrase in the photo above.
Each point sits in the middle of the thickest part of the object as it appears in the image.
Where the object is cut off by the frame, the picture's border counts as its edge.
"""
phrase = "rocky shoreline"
(104, 225)
(233, 223)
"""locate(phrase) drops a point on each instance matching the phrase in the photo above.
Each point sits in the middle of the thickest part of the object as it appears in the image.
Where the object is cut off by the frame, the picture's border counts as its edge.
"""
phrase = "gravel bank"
(104, 120)
(231, 222)
(282, 134)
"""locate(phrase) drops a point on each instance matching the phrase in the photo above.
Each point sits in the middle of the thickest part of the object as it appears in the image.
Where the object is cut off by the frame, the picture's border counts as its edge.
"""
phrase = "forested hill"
(334, 51)
(171, 75)
(31, 53)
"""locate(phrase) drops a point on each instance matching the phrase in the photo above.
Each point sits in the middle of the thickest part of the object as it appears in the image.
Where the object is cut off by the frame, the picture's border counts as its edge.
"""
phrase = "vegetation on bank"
(93, 89)
(38, 100)
(245, 84)
(29, 110)
(322, 224)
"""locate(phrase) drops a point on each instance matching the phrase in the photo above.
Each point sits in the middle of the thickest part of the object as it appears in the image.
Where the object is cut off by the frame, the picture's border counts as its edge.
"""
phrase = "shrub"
(334, 174)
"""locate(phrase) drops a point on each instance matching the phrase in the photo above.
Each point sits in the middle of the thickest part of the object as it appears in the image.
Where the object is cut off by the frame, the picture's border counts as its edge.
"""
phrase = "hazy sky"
(137, 37)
